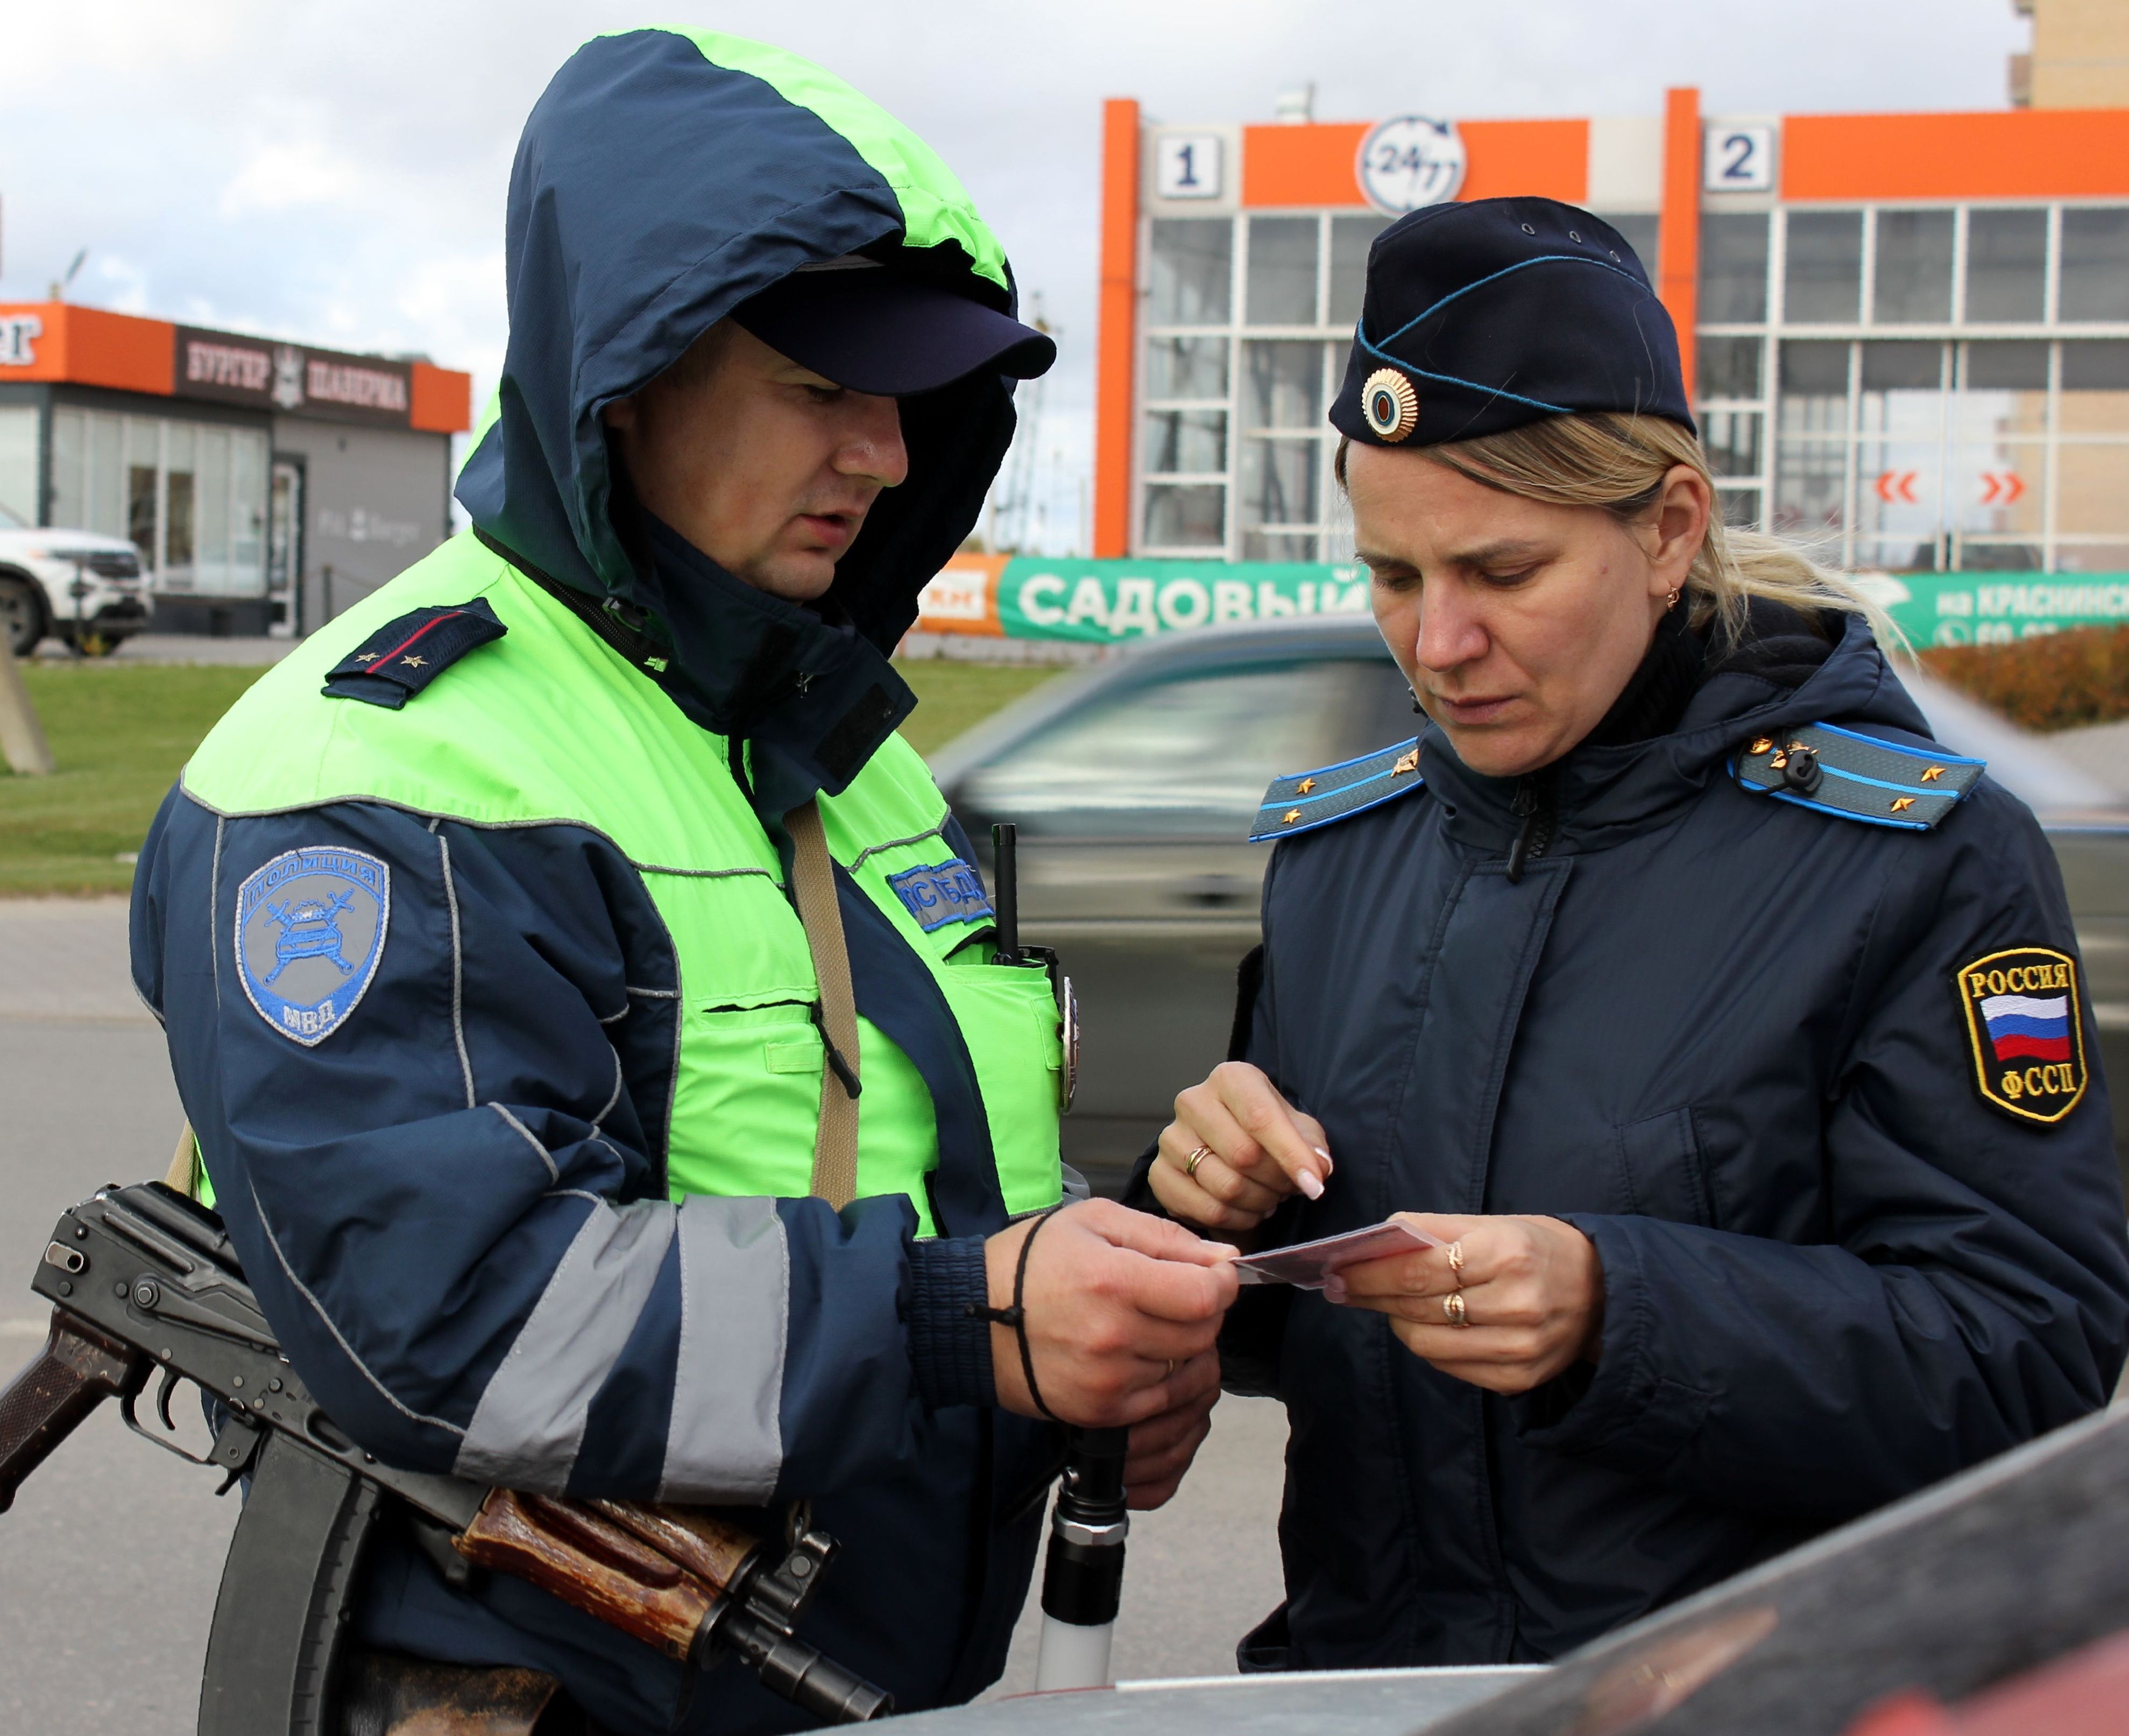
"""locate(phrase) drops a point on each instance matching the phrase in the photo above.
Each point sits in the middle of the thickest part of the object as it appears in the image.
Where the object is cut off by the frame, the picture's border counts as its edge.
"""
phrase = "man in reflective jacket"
(582, 997)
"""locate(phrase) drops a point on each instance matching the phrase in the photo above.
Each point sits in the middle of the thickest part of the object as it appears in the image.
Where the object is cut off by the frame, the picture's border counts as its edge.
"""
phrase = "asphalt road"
(110, 1557)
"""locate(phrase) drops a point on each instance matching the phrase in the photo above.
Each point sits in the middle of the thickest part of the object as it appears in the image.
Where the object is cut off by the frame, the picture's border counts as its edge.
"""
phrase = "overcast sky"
(337, 173)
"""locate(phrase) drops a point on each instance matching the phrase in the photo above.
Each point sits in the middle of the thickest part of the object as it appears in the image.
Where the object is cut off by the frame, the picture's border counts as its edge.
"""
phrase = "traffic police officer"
(1727, 1032)
(583, 999)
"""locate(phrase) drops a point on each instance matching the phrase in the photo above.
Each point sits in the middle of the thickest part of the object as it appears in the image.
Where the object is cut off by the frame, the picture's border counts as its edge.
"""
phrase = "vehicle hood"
(664, 177)
(56, 537)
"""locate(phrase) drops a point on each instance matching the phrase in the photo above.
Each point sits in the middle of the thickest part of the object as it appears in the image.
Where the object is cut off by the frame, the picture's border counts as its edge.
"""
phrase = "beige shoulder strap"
(184, 1172)
(813, 885)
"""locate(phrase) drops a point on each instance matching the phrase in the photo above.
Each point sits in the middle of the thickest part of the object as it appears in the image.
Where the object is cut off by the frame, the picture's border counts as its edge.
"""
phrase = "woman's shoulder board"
(1303, 800)
(1858, 777)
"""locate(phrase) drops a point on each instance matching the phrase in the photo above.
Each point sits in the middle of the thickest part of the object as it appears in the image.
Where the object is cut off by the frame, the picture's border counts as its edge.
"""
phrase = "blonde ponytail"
(1618, 461)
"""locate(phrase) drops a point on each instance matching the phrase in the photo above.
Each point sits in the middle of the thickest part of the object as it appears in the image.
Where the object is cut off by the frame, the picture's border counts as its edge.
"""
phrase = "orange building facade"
(1907, 335)
(266, 485)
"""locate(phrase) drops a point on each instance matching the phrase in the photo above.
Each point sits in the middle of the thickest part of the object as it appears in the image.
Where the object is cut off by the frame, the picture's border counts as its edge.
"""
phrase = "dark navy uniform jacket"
(1720, 1034)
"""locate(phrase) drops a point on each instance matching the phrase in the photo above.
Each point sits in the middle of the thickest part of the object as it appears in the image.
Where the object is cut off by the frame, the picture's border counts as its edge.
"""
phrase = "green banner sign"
(1995, 608)
(1104, 600)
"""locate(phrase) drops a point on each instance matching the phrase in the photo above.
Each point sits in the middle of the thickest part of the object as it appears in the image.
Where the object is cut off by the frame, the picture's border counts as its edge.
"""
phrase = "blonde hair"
(1618, 461)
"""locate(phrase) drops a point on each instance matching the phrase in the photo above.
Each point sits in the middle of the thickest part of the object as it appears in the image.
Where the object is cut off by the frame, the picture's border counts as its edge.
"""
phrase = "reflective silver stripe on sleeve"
(725, 1441)
(531, 1419)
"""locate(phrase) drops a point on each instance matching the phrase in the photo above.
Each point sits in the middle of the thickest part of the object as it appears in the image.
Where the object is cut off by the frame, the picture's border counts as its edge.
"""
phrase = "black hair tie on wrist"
(1016, 1316)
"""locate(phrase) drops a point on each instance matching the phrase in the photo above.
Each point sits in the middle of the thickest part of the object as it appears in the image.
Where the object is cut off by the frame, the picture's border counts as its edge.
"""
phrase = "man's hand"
(1119, 1306)
(1235, 1149)
(1162, 1446)
(1533, 1291)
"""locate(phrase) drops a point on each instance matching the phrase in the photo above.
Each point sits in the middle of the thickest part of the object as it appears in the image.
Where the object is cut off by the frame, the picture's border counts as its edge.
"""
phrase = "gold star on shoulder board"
(366, 657)
(1932, 774)
(1306, 785)
(414, 662)
(1407, 764)
(1289, 816)
(1901, 804)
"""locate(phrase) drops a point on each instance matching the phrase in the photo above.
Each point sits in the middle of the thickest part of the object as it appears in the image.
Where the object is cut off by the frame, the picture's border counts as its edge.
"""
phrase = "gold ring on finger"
(1457, 1258)
(1197, 1156)
(1452, 1305)
(1170, 1375)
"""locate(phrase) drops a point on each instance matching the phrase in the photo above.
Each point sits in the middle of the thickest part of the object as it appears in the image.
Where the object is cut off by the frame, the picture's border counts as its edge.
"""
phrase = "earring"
(1671, 601)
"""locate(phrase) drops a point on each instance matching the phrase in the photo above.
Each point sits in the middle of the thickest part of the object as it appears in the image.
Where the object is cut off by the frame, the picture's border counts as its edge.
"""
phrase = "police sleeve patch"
(310, 931)
(2026, 1030)
(948, 891)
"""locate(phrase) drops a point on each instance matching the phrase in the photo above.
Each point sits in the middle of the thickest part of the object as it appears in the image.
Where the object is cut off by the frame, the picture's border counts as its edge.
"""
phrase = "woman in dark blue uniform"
(1727, 1031)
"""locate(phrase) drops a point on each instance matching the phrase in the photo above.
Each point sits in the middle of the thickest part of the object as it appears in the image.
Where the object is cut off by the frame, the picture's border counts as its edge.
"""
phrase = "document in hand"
(1306, 1264)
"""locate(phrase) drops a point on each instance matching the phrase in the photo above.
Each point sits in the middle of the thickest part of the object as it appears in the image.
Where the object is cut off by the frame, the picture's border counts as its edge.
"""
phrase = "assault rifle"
(142, 1278)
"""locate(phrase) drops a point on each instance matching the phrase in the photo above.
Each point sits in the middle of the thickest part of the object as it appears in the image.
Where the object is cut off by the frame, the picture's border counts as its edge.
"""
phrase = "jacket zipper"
(1536, 806)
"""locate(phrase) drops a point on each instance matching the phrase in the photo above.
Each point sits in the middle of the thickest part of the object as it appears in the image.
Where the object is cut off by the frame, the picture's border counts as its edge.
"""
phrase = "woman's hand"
(1235, 1150)
(1533, 1292)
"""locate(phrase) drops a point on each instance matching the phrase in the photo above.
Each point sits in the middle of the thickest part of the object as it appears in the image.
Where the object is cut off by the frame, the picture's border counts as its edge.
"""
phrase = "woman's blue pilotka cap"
(1481, 317)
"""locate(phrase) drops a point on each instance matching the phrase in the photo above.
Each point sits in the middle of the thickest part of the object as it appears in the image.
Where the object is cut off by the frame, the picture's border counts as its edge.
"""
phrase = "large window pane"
(2092, 558)
(1729, 367)
(2095, 387)
(1193, 267)
(2095, 265)
(1281, 545)
(1186, 442)
(1810, 487)
(1822, 284)
(1178, 758)
(1282, 272)
(1814, 389)
(1186, 368)
(1972, 556)
(1732, 438)
(1740, 507)
(69, 481)
(248, 463)
(2007, 266)
(18, 463)
(1733, 268)
(1902, 391)
(2092, 490)
(1900, 496)
(1998, 489)
(181, 554)
(1638, 229)
(1350, 238)
(1914, 283)
(1192, 516)
(1279, 482)
(107, 476)
(2004, 391)
(1283, 385)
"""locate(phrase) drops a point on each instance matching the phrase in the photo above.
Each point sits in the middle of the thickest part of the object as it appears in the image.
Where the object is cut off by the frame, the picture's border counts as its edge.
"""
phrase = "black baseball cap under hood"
(665, 179)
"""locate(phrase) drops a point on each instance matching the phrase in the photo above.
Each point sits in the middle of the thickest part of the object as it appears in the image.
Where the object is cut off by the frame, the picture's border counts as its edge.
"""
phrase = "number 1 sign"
(1186, 166)
(1410, 161)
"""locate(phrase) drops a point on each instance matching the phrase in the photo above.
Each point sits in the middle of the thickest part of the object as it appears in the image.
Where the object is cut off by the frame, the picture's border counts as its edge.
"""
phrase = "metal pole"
(21, 737)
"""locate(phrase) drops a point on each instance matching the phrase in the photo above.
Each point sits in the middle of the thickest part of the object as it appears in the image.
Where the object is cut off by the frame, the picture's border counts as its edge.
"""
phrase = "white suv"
(40, 570)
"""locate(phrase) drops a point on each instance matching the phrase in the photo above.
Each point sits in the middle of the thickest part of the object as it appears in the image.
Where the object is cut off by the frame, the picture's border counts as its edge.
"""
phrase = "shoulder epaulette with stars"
(1307, 799)
(1837, 771)
(397, 661)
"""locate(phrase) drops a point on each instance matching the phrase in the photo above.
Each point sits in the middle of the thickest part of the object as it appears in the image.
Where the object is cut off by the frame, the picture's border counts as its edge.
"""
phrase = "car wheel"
(22, 615)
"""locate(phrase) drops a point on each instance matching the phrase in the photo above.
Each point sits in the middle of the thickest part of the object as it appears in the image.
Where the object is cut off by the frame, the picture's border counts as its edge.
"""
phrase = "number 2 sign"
(1738, 159)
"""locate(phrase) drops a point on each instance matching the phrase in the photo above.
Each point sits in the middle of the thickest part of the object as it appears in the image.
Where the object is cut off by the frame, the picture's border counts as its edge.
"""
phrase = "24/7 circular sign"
(1409, 161)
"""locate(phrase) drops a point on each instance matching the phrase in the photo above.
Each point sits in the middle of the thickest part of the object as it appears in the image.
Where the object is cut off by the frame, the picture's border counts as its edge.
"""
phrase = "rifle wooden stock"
(601, 1557)
(79, 1369)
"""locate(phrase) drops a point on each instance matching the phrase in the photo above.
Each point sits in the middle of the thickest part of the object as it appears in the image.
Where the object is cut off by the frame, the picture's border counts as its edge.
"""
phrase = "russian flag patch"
(2026, 1030)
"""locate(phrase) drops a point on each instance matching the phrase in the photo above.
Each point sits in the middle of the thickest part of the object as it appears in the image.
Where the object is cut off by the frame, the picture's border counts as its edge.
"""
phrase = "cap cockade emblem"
(1391, 404)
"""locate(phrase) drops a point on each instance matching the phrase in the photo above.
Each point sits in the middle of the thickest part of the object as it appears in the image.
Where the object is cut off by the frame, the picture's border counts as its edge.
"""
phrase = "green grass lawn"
(120, 733)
